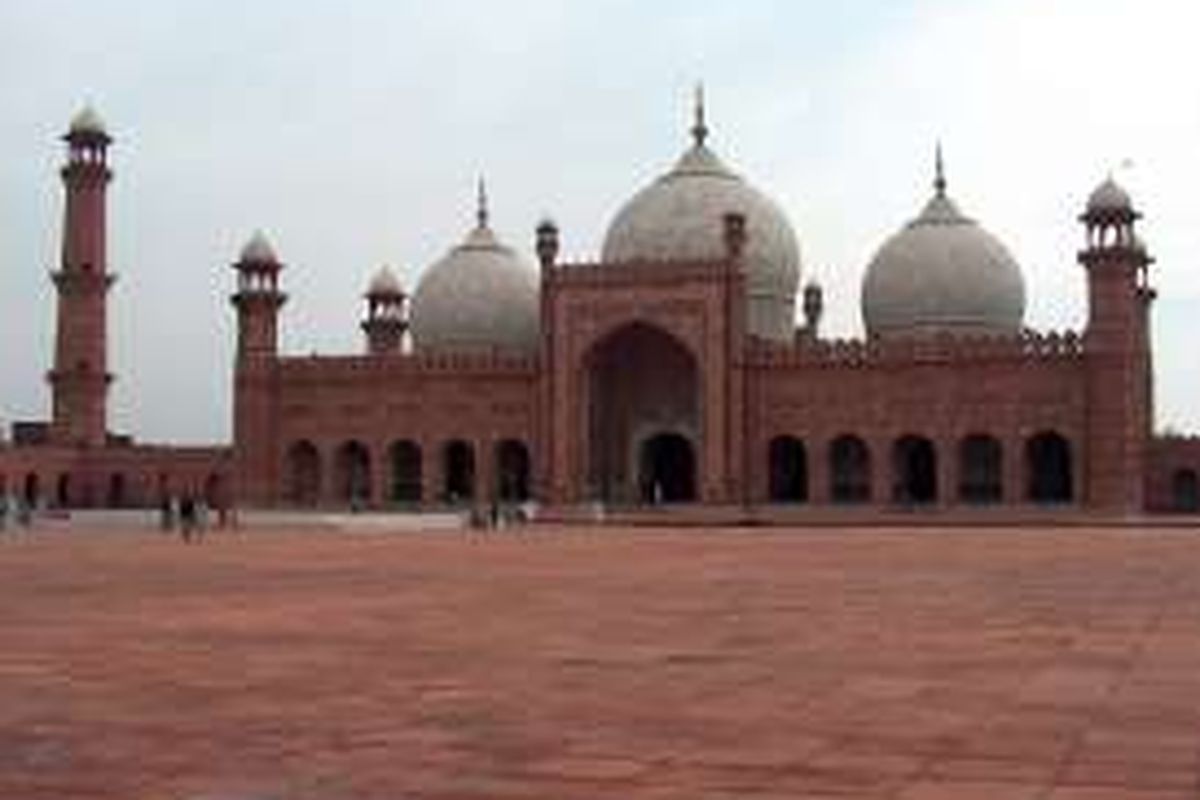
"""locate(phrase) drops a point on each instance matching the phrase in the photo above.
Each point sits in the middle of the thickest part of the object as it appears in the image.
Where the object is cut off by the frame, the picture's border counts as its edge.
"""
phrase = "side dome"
(480, 296)
(943, 273)
(678, 218)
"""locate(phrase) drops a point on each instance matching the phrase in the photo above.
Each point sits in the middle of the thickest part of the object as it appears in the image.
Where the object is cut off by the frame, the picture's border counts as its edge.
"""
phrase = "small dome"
(1109, 197)
(943, 273)
(385, 284)
(258, 250)
(87, 121)
(480, 296)
(679, 218)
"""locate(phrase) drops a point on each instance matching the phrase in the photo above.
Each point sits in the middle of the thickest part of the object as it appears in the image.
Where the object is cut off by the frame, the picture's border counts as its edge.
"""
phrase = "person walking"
(3, 511)
(201, 518)
(187, 517)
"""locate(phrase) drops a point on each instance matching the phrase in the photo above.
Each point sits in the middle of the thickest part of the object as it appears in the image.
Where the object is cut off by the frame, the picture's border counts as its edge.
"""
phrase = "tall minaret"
(255, 395)
(80, 377)
(1117, 352)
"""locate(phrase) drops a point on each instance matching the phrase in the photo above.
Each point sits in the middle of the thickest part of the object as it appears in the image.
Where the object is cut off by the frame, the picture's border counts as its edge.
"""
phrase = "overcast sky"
(352, 133)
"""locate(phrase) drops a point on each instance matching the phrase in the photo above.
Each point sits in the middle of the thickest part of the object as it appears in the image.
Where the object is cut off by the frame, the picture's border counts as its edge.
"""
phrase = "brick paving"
(999, 665)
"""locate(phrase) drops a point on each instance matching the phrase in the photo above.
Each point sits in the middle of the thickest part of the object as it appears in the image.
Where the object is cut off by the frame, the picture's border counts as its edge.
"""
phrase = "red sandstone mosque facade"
(671, 371)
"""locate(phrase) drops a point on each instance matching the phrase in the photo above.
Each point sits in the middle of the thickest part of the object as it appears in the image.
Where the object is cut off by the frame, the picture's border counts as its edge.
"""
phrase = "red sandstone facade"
(645, 387)
(1034, 420)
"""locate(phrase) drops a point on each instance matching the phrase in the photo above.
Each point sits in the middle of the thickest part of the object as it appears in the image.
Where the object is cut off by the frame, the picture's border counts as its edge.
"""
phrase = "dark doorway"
(1185, 493)
(1048, 464)
(354, 474)
(406, 472)
(667, 469)
(512, 471)
(914, 467)
(117, 491)
(304, 474)
(849, 470)
(788, 466)
(458, 471)
(980, 467)
(62, 497)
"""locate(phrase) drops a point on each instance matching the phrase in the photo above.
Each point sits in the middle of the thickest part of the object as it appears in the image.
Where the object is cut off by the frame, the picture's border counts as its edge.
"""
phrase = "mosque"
(669, 372)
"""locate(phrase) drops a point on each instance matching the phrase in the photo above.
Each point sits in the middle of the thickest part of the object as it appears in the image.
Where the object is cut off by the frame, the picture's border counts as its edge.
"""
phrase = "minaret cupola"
(386, 321)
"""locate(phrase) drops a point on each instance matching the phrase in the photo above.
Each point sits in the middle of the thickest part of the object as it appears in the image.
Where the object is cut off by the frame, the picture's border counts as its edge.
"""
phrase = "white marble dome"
(679, 217)
(943, 273)
(481, 296)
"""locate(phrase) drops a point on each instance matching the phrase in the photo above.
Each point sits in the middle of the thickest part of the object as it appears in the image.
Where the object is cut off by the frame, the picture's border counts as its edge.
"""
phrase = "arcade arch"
(787, 467)
(303, 474)
(1048, 464)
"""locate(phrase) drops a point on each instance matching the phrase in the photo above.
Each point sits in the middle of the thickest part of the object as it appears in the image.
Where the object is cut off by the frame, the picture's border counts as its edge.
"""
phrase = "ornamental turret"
(258, 299)
(80, 379)
(814, 308)
(386, 321)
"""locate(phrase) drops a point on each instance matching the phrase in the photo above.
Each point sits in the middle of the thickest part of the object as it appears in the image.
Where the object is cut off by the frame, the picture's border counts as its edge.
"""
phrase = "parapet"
(399, 364)
(942, 348)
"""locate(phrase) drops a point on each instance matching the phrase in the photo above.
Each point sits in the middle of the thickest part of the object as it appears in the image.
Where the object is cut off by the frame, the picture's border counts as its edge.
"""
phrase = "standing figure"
(166, 514)
(24, 513)
(187, 517)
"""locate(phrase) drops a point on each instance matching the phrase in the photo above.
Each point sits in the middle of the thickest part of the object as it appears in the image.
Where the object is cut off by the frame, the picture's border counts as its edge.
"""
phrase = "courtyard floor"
(562, 664)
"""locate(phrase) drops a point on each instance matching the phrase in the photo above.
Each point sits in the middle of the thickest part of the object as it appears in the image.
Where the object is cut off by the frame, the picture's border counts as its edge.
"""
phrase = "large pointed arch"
(643, 383)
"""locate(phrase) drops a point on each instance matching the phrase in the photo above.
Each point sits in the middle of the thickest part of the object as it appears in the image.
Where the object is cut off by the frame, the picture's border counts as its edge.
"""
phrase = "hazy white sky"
(352, 133)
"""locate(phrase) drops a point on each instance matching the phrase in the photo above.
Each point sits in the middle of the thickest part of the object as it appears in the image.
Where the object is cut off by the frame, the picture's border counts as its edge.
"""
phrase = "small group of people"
(497, 515)
(190, 514)
(20, 509)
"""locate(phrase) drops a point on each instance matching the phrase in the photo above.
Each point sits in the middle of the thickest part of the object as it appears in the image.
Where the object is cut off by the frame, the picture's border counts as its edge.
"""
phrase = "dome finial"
(481, 210)
(700, 126)
(939, 180)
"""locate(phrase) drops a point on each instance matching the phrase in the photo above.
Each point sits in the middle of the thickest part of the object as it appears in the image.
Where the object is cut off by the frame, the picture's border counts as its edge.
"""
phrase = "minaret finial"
(700, 126)
(939, 180)
(481, 211)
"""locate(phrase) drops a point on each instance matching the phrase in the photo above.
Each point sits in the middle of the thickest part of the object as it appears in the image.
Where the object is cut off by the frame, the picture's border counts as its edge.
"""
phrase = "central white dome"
(679, 217)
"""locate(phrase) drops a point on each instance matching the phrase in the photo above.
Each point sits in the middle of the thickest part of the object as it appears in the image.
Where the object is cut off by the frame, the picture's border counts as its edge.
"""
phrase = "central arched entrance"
(667, 469)
(643, 417)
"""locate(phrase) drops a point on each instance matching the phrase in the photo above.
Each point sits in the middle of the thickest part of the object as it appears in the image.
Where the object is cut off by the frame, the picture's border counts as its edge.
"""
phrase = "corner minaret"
(255, 418)
(1117, 350)
(80, 379)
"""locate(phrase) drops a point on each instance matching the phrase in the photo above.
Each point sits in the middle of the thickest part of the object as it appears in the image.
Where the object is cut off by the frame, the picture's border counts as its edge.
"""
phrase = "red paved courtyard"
(574, 664)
